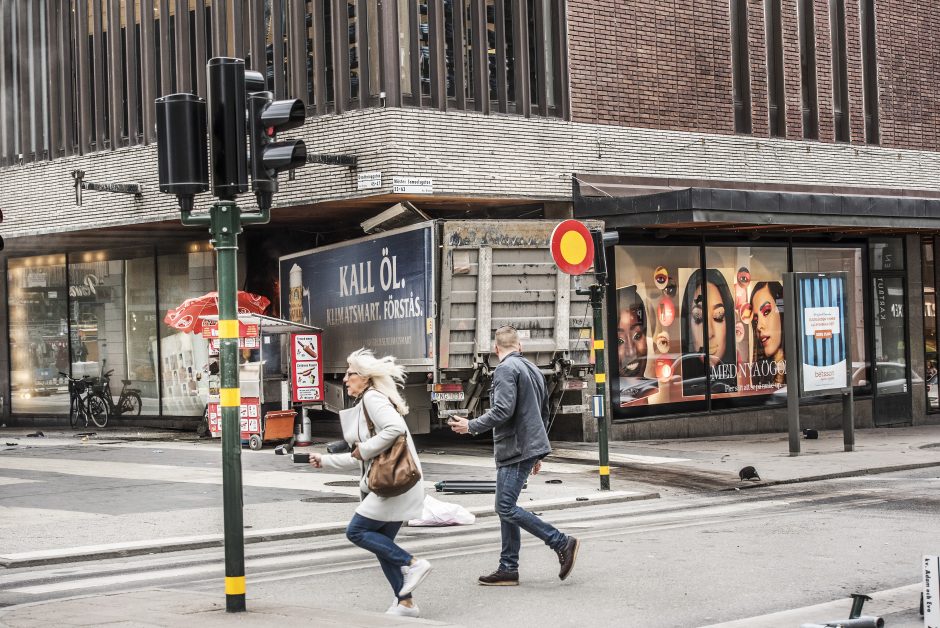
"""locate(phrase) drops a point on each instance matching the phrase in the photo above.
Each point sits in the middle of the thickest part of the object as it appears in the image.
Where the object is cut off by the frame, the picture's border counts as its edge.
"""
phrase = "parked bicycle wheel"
(98, 410)
(132, 404)
(75, 411)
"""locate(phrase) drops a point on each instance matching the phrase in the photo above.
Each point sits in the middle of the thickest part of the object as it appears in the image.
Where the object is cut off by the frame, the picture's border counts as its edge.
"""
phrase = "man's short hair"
(507, 337)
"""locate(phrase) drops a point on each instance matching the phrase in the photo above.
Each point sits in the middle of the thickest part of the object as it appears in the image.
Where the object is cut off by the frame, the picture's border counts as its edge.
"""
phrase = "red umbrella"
(186, 316)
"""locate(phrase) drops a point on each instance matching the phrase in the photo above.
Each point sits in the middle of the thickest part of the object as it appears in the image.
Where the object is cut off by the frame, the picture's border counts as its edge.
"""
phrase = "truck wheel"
(254, 442)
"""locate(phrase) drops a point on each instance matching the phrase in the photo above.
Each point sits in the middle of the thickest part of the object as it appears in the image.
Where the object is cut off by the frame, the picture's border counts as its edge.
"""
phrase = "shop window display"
(184, 356)
(141, 331)
(754, 364)
(38, 324)
(655, 328)
(695, 338)
(691, 334)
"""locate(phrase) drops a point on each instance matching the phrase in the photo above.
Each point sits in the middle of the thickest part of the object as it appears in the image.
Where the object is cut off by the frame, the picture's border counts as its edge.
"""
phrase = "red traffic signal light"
(266, 118)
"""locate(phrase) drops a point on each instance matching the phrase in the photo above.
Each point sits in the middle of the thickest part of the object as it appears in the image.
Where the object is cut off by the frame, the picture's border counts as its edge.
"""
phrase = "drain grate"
(331, 499)
(343, 483)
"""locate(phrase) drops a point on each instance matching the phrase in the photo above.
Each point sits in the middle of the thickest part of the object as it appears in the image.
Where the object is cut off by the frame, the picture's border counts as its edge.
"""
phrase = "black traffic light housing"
(602, 240)
(227, 146)
(236, 102)
(182, 162)
(266, 118)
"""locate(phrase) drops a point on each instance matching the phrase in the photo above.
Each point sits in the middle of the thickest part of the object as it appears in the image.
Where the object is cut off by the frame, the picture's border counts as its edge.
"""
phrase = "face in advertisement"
(708, 324)
(632, 345)
(767, 322)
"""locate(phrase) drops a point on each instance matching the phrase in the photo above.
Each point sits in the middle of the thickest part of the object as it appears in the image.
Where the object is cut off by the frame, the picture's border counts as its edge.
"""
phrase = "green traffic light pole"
(225, 223)
(600, 379)
(598, 401)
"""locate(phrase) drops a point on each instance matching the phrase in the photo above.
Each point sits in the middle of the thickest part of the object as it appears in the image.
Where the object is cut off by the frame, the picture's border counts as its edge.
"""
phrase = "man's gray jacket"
(518, 413)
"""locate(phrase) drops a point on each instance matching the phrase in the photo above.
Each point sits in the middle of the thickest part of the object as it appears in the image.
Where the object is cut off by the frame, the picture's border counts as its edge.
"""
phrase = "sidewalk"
(714, 462)
(160, 607)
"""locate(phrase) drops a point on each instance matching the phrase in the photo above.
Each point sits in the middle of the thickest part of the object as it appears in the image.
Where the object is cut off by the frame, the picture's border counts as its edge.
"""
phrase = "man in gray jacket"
(518, 416)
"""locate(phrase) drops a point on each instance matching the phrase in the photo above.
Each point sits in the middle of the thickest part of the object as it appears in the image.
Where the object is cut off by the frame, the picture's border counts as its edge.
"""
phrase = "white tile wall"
(466, 154)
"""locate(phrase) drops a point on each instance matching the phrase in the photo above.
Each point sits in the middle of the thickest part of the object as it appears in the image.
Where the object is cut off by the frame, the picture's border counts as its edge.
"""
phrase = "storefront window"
(39, 347)
(184, 357)
(819, 260)
(694, 336)
(930, 323)
(96, 314)
(658, 321)
(141, 326)
(745, 325)
(887, 254)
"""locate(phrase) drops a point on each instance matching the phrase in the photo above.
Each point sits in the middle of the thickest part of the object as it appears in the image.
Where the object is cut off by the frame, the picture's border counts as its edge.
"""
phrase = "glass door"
(892, 385)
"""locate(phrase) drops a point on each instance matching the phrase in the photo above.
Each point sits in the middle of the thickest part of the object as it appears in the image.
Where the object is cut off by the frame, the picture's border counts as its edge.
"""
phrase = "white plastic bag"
(438, 513)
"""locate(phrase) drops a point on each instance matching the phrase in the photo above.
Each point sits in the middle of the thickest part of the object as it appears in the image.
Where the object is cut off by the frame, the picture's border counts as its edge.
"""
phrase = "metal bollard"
(858, 601)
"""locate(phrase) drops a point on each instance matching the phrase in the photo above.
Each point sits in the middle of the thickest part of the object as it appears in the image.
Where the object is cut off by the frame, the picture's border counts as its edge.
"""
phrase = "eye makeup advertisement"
(684, 331)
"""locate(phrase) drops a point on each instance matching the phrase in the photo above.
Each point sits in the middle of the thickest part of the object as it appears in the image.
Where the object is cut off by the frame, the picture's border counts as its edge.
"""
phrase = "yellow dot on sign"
(573, 247)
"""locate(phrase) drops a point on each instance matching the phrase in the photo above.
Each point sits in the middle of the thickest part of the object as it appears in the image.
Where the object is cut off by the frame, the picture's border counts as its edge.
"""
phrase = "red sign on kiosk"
(249, 416)
(572, 247)
(306, 367)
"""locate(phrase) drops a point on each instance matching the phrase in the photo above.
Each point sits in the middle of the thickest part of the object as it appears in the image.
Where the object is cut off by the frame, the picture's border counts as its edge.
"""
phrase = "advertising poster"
(823, 342)
(371, 293)
(306, 367)
(684, 331)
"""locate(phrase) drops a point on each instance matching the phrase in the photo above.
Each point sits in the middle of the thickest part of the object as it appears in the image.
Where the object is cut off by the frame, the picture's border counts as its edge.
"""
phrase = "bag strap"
(369, 422)
(365, 411)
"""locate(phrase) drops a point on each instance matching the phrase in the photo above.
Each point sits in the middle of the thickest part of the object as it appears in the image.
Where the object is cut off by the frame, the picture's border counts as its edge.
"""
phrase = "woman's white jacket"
(389, 425)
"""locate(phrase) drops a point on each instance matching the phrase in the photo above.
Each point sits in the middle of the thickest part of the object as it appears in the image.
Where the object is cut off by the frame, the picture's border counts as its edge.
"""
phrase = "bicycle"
(129, 400)
(84, 403)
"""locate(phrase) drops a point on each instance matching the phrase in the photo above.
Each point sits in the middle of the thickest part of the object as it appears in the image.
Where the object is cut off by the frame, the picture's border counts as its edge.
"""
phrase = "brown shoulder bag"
(394, 471)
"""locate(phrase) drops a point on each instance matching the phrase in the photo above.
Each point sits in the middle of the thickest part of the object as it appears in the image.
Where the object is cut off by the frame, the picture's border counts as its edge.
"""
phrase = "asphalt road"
(685, 560)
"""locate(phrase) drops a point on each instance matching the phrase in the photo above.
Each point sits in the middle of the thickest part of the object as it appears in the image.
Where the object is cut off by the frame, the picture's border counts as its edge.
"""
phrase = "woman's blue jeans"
(509, 482)
(378, 537)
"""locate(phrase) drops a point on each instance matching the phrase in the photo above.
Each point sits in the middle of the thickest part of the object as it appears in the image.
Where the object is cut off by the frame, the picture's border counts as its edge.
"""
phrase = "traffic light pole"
(225, 223)
(183, 121)
(600, 381)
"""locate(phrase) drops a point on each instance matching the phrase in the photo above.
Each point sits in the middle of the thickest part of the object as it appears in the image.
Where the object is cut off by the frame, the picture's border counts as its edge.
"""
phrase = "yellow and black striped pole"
(226, 225)
(600, 381)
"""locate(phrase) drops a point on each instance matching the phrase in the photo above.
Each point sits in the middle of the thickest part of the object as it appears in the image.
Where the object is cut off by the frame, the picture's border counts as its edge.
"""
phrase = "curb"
(139, 548)
(834, 476)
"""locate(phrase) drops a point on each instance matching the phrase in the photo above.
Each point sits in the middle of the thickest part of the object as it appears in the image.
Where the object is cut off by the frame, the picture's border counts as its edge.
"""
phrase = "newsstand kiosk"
(280, 372)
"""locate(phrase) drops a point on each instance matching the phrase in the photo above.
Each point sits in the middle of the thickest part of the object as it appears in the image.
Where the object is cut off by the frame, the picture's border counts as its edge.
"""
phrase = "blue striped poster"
(823, 341)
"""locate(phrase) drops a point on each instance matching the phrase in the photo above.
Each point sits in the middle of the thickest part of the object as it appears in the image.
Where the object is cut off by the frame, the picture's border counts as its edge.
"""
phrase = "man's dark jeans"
(509, 482)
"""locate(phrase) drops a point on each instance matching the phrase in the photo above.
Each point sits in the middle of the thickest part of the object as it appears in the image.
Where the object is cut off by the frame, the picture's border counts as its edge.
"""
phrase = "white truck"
(433, 295)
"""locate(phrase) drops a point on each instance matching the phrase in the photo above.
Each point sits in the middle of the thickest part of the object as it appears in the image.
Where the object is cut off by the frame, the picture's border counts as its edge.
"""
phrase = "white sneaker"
(404, 611)
(414, 575)
(394, 604)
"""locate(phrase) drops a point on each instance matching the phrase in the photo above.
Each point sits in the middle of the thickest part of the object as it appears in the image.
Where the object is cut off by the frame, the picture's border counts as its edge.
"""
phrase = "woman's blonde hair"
(384, 374)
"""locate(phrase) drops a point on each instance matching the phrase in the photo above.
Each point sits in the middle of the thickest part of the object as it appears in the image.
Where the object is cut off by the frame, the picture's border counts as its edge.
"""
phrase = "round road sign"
(572, 247)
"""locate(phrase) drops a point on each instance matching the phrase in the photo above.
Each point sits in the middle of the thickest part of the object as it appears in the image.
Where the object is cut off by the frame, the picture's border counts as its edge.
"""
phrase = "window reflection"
(39, 347)
(930, 323)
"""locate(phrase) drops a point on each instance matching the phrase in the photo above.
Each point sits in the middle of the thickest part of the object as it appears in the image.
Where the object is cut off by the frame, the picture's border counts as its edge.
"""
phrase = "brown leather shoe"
(567, 556)
(500, 578)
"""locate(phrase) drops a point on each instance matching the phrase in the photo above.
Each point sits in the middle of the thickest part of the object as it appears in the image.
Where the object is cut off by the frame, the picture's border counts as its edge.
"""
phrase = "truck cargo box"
(433, 295)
